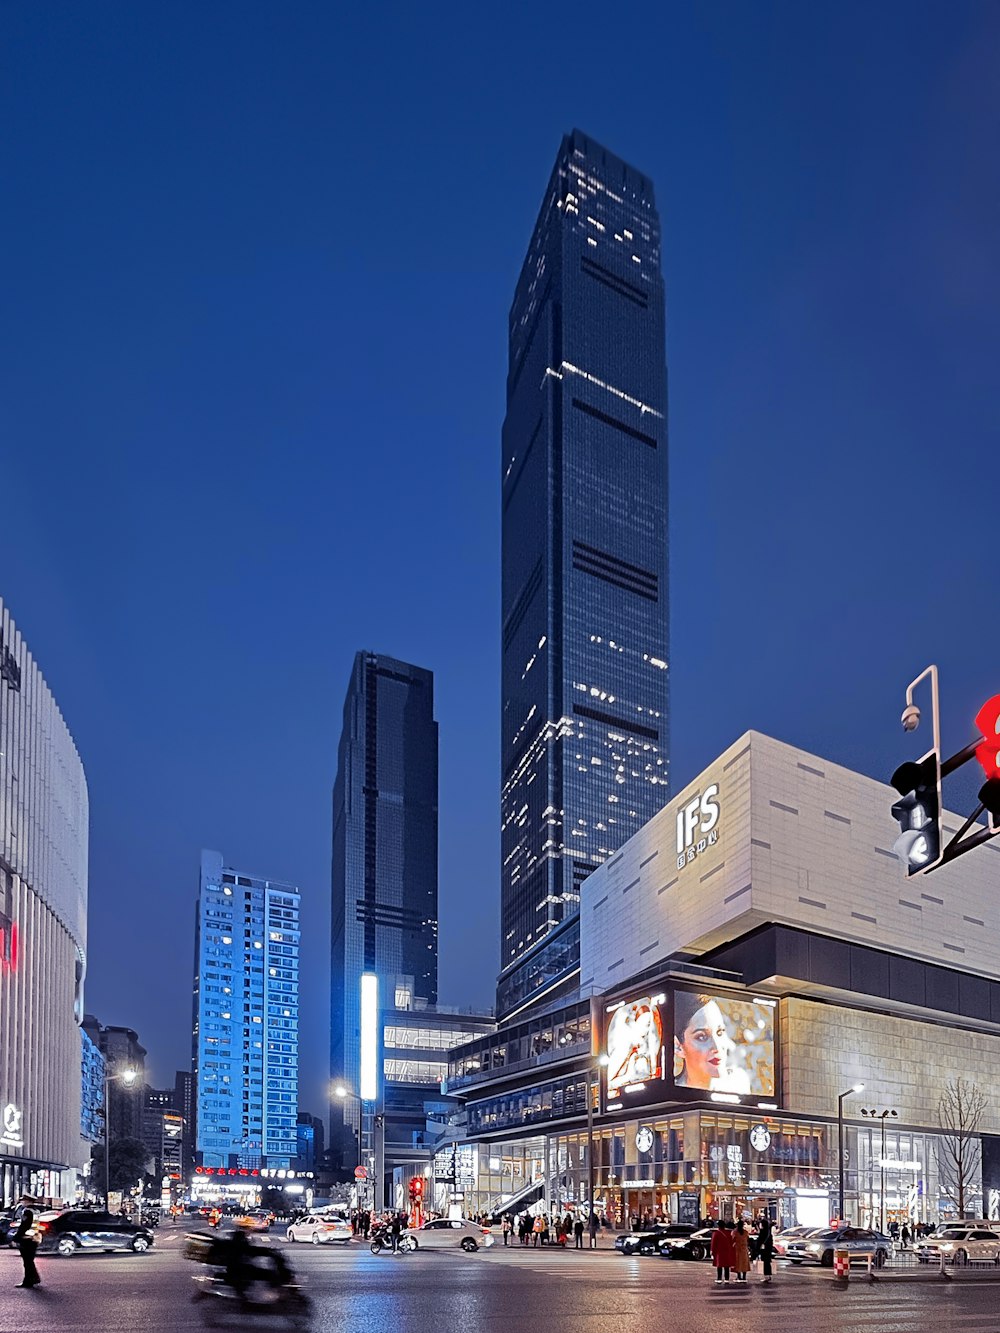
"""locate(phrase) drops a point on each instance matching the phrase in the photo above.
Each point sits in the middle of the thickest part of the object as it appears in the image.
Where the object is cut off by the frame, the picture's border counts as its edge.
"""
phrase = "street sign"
(360, 1173)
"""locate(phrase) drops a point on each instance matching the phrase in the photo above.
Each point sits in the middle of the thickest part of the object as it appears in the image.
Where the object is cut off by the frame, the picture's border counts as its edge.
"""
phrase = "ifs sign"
(697, 825)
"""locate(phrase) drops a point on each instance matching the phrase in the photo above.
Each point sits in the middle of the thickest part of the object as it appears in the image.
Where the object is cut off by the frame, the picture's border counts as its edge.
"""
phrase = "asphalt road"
(512, 1291)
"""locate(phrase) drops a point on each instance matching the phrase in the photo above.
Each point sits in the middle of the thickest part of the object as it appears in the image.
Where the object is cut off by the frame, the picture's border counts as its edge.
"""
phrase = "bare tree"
(960, 1150)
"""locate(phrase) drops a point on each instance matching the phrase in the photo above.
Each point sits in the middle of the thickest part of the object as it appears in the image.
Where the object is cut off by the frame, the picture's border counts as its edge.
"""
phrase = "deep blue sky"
(257, 261)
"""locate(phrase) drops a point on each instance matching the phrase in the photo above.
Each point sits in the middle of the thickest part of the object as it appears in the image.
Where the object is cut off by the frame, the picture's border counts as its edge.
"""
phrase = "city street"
(356, 1292)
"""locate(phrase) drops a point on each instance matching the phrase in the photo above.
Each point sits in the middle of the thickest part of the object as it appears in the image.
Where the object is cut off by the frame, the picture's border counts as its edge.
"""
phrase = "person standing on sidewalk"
(741, 1251)
(765, 1247)
(594, 1226)
(578, 1233)
(505, 1228)
(722, 1251)
(24, 1239)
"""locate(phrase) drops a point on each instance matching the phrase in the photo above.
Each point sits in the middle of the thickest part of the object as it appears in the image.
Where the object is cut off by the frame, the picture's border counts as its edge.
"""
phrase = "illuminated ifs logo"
(8, 944)
(696, 825)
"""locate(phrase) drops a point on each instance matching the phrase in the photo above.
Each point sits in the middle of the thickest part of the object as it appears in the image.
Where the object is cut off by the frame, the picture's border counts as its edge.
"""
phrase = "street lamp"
(599, 1064)
(858, 1087)
(881, 1115)
(128, 1077)
(342, 1092)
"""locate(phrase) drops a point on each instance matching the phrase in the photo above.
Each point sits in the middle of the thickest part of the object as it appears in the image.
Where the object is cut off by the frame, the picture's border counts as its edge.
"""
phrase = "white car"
(320, 1230)
(782, 1239)
(446, 1233)
(957, 1245)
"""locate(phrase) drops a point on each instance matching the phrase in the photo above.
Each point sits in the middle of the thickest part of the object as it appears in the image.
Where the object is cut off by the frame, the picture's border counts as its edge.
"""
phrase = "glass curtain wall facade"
(585, 726)
(246, 1054)
(385, 846)
(713, 1164)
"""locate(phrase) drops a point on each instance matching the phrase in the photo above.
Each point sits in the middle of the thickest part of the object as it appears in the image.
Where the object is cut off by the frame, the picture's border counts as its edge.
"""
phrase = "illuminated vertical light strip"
(368, 1082)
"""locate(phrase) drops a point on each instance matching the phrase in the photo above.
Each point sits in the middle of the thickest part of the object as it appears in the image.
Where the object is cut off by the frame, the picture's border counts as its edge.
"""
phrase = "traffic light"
(918, 812)
(416, 1188)
(988, 754)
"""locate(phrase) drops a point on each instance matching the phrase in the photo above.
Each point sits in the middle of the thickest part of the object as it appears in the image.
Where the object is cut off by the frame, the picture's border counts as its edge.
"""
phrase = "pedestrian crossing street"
(799, 1302)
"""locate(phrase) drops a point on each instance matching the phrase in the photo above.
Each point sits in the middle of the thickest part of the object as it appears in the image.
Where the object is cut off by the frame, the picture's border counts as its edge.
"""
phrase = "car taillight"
(42, 1226)
(485, 1230)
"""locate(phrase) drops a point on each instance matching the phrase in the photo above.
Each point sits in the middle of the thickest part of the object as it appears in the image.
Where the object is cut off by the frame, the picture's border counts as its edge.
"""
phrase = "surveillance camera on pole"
(919, 811)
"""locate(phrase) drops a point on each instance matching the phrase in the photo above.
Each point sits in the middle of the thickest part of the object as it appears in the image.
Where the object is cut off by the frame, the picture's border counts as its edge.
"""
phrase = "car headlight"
(948, 1245)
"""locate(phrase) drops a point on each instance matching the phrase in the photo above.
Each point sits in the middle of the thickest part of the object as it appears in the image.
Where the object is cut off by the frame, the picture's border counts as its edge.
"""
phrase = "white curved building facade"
(43, 930)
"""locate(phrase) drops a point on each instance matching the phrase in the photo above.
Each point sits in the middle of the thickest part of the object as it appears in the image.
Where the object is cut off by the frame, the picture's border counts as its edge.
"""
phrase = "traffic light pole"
(918, 793)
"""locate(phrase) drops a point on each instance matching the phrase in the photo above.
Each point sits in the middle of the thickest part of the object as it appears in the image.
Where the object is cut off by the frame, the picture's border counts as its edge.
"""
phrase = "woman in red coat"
(723, 1251)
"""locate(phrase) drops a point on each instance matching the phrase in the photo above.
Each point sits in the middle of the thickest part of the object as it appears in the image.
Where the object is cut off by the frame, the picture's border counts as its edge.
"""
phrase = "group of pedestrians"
(539, 1229)
(904, 1234)
(734, 1248)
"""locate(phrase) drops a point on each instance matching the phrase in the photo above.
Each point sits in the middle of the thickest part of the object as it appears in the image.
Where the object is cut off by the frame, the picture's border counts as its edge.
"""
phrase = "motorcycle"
(382, 1240)
(287, 1304)
(261, 1284)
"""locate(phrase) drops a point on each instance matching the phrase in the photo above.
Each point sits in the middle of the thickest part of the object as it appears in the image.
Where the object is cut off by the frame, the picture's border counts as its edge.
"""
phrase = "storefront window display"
(697, 1164)
(693, 1165)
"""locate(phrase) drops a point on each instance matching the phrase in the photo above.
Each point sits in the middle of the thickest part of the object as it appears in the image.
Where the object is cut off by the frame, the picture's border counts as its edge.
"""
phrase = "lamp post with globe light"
(127, 1077)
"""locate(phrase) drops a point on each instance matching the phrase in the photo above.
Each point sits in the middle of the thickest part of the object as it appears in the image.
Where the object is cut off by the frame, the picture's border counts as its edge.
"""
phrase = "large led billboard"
(635, 1045)
(723, 1043)
(691, 1045)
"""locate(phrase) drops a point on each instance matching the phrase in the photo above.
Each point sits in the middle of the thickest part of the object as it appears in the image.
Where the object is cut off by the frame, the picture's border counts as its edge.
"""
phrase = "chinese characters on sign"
(697, 825)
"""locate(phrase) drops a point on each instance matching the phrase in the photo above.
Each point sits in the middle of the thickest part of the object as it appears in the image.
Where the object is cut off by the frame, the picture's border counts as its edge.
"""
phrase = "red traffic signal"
(416, 1187)
(988, 722)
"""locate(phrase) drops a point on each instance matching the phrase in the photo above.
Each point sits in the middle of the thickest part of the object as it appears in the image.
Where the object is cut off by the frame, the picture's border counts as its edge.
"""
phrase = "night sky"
(257, 263)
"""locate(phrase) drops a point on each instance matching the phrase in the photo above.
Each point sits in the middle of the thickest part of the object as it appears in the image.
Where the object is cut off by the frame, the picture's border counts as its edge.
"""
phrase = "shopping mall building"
(752, 953)
(43, 932)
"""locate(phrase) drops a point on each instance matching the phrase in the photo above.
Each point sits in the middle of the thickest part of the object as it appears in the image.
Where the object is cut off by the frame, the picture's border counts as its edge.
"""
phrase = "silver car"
(446, 1233)
(957, 1245)
(818, 1247)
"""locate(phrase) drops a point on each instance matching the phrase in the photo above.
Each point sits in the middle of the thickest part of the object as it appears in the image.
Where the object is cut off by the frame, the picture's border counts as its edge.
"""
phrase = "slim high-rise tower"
(385, 848)
(246, 1018)
(584, 731)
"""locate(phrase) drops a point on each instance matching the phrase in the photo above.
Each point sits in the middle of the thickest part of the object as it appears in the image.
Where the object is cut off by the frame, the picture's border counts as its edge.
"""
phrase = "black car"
(8, 1225)
(696, 1245)
(66, 1233)
(652, 1240)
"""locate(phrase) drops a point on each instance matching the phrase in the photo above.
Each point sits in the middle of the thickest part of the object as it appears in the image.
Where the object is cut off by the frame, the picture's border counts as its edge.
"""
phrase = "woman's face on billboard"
(703, 1047)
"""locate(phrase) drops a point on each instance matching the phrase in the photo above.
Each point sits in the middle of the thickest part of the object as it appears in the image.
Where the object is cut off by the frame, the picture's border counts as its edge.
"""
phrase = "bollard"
(842, 1264)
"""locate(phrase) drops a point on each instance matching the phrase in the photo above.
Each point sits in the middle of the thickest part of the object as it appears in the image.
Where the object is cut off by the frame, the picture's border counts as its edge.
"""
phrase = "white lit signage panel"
(368, 1082)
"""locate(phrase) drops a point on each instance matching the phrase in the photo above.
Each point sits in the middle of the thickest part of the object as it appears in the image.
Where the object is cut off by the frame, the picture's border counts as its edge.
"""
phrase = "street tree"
(129, 1159)
(960, 1150)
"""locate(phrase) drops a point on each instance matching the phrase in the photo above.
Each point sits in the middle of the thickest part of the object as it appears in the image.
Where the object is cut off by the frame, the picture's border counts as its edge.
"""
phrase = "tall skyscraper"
(385, 848)
(246, 1027)
(43, 931)
(585, 721)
